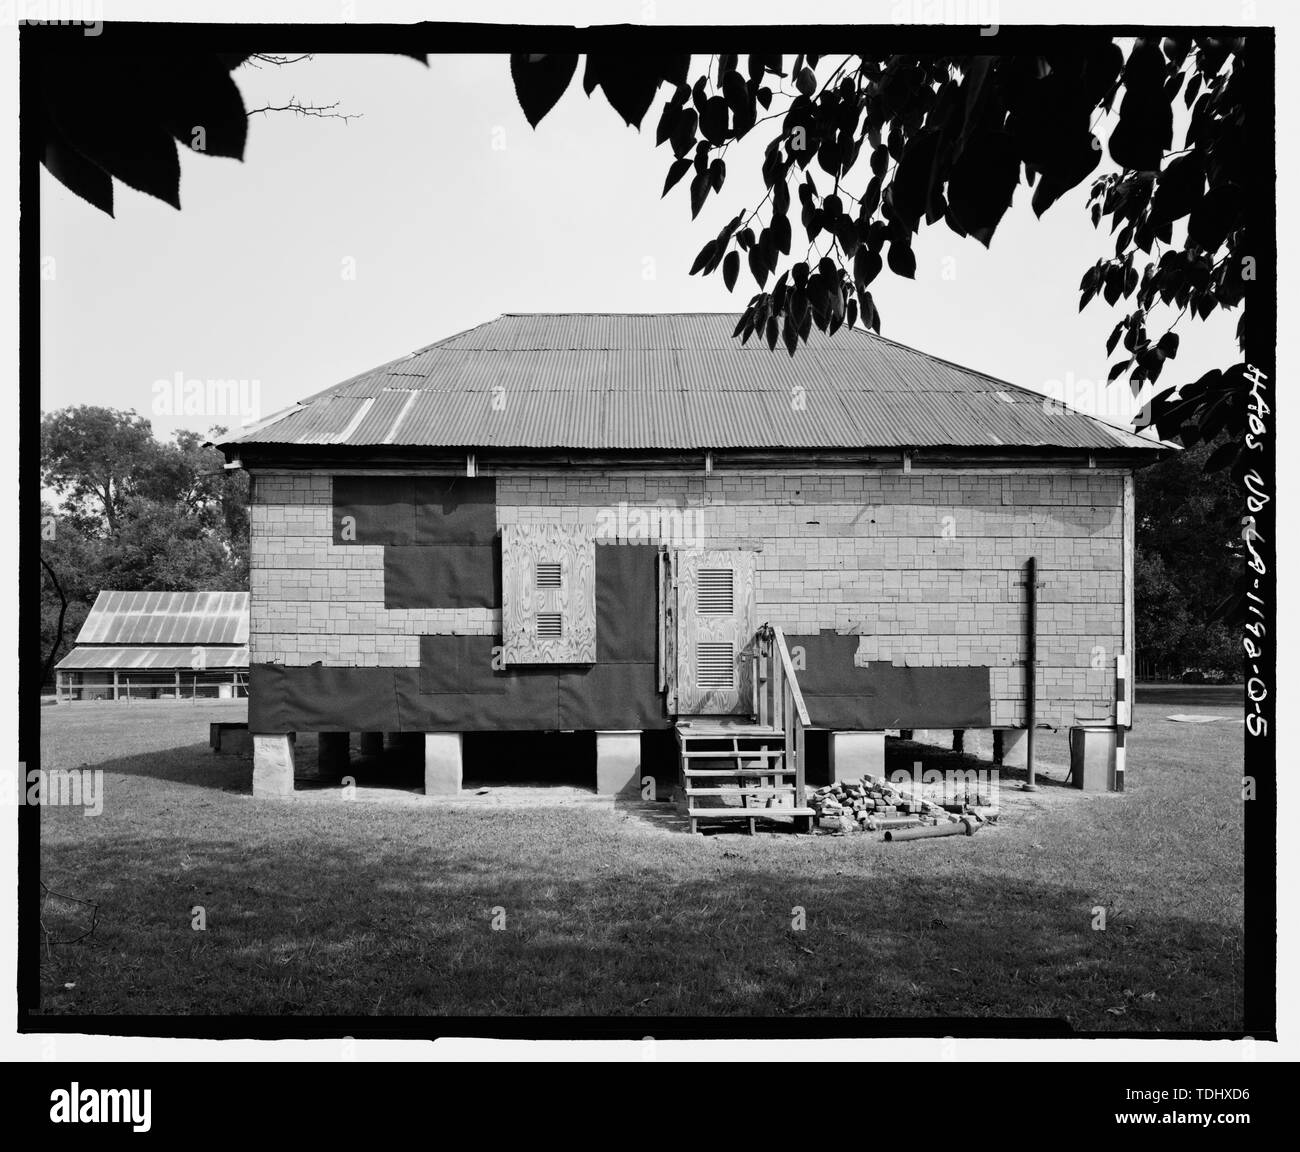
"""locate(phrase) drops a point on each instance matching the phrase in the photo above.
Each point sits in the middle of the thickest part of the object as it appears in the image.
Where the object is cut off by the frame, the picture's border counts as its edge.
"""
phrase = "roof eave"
(488, 459)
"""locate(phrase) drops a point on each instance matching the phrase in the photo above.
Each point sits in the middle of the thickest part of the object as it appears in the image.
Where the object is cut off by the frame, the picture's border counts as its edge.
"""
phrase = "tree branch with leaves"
(880, 146)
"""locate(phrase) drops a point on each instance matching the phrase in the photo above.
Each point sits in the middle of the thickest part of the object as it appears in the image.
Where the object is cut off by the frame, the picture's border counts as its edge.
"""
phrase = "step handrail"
(791, 680)
(779, 699)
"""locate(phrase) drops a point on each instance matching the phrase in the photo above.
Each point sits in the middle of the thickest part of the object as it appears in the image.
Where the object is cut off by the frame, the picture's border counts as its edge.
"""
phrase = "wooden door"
(715, 626)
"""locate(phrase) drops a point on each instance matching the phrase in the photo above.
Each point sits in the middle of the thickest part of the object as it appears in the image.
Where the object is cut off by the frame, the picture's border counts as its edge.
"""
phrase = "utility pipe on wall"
(1031, 667)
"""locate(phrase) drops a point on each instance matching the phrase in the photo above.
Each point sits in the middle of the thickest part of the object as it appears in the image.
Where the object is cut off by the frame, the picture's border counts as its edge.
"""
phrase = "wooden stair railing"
(780, 702)
(761, 773)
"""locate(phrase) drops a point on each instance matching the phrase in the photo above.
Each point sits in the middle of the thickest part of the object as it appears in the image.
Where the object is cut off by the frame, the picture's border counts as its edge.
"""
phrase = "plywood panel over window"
(548, 594)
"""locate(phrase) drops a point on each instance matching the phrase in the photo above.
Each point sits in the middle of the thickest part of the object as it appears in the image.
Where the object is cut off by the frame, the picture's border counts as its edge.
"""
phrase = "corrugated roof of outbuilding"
(141, 657)
(677, 381)
(167, 618)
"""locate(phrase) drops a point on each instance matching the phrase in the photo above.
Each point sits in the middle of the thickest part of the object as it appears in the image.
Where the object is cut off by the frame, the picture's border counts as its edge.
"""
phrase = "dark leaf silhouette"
(706, 254)
(676, 171)
(699, 191)
(1215, 217)
(205, 111)
(79, 175)
(1180, 189)
(540, 81)
(731, 269)
(630, 82)
(1146, 120)
(683, 132)
(902, 260)
(866, 267)
(713, 120)
(982, 183)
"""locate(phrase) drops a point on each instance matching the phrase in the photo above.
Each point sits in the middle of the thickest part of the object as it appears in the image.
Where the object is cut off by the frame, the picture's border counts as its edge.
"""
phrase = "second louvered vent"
(716, 592)
(715, 666)
(550, 625)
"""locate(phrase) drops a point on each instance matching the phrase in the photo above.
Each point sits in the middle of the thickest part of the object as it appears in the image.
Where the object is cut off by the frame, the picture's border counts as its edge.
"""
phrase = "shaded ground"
(323, 906)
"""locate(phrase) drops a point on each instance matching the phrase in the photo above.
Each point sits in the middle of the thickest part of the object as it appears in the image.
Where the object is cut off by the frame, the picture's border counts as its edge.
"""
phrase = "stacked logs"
(874, 804)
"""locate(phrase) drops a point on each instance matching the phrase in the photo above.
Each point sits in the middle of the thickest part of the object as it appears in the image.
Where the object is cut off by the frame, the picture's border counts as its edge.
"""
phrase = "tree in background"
(1188, 557)
(91, 457)
(133, 513)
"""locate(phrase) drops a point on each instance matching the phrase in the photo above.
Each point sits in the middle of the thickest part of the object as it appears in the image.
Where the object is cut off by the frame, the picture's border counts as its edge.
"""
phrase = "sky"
(337, 246)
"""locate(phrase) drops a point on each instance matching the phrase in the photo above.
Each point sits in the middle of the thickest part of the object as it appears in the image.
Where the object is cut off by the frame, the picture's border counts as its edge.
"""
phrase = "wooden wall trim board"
(663, 582)
(637, 468)
(383, 460)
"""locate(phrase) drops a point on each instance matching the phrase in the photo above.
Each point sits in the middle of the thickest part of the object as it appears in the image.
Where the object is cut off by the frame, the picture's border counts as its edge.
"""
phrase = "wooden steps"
(803, 816)
(747, 813)
(732, 753)
(691, 772)
(724, 728)
(759, 767)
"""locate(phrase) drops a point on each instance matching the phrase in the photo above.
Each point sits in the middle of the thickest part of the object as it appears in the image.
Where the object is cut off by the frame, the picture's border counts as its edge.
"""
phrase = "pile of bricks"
(874, 803)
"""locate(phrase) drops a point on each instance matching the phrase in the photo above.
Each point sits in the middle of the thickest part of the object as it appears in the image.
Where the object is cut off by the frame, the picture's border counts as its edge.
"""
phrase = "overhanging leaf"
(982, 183)
(79, 175)
(629, 82)
(713, 120)
(540, 81)
(730, 269)
(1178, 189)
(202, 107)
(902, 260)
(676, 170)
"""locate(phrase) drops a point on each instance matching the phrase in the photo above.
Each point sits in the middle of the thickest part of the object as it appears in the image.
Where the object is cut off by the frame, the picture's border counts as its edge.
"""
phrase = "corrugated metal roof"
(154, 659)
(676, 381)
(167, 618)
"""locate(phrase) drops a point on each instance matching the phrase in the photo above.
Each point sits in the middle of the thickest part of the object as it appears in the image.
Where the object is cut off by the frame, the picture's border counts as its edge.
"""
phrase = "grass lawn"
(335, 907)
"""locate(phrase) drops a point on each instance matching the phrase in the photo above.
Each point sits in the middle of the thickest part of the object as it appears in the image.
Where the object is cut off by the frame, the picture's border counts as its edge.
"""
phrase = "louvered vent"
(715, 666)
(550, 625)
(548, 576)
(716, 592)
